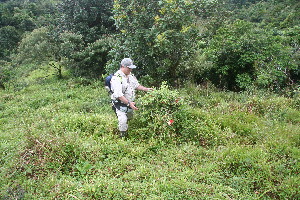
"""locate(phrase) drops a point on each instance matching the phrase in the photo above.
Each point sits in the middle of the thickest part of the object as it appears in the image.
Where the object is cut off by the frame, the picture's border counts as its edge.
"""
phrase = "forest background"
(223, 122)
(233, 44)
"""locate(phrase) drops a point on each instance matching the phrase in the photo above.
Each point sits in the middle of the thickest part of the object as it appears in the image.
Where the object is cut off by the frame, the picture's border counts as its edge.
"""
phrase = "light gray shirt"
(122, 85)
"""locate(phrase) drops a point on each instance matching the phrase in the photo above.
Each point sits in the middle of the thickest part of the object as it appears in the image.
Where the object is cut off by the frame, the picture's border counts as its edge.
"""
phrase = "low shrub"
(166, 115)
(158, 110)
(269, 170)
(241, 127)
(85, 124)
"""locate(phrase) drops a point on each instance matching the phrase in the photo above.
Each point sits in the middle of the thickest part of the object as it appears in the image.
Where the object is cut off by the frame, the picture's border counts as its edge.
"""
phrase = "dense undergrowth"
(58, 141)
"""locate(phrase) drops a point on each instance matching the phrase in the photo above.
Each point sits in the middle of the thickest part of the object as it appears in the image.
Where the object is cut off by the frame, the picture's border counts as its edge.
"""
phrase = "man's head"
(127, 66)
(127, 62)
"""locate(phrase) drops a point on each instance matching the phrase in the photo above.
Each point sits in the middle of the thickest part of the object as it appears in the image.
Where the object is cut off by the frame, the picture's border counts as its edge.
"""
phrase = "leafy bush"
(165, 114)
(243, 55)
(242, 127)
(39, 44)
(158, 112)
(274, 107)
(259, 171)
(84, 60)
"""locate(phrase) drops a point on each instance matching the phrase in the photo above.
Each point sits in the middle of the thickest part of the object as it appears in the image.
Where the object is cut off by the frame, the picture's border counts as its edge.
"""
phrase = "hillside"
(58, 141)
(222, 122)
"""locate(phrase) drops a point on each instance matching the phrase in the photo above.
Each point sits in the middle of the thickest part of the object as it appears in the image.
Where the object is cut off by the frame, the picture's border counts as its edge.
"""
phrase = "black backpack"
(107, 83)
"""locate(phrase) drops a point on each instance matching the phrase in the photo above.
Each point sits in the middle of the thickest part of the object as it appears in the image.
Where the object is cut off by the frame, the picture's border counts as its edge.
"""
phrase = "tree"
(19, 17)
(158, 35)
(39, 44)
(243, 54)
(89, 18)
(83, 60)
(84, 31)
(9, 38)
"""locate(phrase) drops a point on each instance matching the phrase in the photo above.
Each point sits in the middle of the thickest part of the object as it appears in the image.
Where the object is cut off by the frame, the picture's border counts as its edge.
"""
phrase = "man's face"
(127, 70)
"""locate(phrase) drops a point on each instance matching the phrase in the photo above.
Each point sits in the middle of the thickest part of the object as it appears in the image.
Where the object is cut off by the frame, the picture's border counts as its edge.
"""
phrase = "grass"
(58, 141)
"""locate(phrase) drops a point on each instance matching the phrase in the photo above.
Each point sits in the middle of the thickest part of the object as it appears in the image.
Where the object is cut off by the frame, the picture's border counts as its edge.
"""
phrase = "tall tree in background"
(88, 23)
(89, 18)
(19, 17)
(243, 55)
(158, 35)
(14, 21)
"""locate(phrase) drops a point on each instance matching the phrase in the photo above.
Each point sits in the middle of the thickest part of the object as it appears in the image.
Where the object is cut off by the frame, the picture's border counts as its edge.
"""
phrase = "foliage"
(158, 113)
(243, 54)
(89, 18)
(88, 61)
(274, 13)
(39, 44)
(9, 39)
(165, 114)
(165, 38)
(158, 35)
(196, 142)
(83, 31)
(19, 17)
(68, 49)
(5, 73)
(64, 146)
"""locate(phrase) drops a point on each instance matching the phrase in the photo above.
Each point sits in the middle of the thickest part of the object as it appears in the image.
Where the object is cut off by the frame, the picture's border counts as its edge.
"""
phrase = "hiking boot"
(123, 134)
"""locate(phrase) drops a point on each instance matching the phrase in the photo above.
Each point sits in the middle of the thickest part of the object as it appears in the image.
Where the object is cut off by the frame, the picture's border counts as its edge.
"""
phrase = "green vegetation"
(59, 141)
(234, 44)
(222, 123)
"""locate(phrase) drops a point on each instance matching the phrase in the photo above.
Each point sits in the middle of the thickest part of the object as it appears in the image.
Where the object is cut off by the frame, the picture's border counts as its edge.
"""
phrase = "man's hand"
(149, 89)
(132, 105)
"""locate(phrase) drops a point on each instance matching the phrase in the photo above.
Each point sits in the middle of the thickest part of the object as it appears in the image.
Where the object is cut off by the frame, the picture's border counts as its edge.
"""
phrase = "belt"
(121, 106)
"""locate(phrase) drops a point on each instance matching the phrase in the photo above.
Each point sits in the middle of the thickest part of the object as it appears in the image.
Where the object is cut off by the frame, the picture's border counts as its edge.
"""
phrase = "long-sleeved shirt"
(122, 85)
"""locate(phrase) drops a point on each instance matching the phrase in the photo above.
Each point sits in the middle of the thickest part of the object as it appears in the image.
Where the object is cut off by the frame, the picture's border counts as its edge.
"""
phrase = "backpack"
(107, 83)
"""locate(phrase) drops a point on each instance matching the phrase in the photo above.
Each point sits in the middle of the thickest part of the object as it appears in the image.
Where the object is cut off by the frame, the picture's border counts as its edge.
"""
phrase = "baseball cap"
(127, 62)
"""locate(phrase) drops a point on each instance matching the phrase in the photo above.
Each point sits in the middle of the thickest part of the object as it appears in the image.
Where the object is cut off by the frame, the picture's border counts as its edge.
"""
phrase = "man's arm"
(132, 104)
(142, 88)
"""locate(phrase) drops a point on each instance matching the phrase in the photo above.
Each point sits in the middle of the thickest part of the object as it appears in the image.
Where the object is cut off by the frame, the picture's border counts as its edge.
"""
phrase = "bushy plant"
(241, 127)
(39, 44)
(243, 55)
(274, 107)
(158, 111)
(165, 114)
(84, 60)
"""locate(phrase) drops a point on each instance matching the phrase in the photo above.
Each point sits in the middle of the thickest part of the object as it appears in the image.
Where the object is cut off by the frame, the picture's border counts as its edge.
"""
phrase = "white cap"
(127, 62)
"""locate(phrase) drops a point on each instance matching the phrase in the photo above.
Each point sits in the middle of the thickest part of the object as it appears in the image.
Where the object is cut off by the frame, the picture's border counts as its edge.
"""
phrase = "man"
(123, 86)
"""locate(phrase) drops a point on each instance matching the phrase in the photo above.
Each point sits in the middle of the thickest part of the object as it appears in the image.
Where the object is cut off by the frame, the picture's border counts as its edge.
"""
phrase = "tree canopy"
(234, 44)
